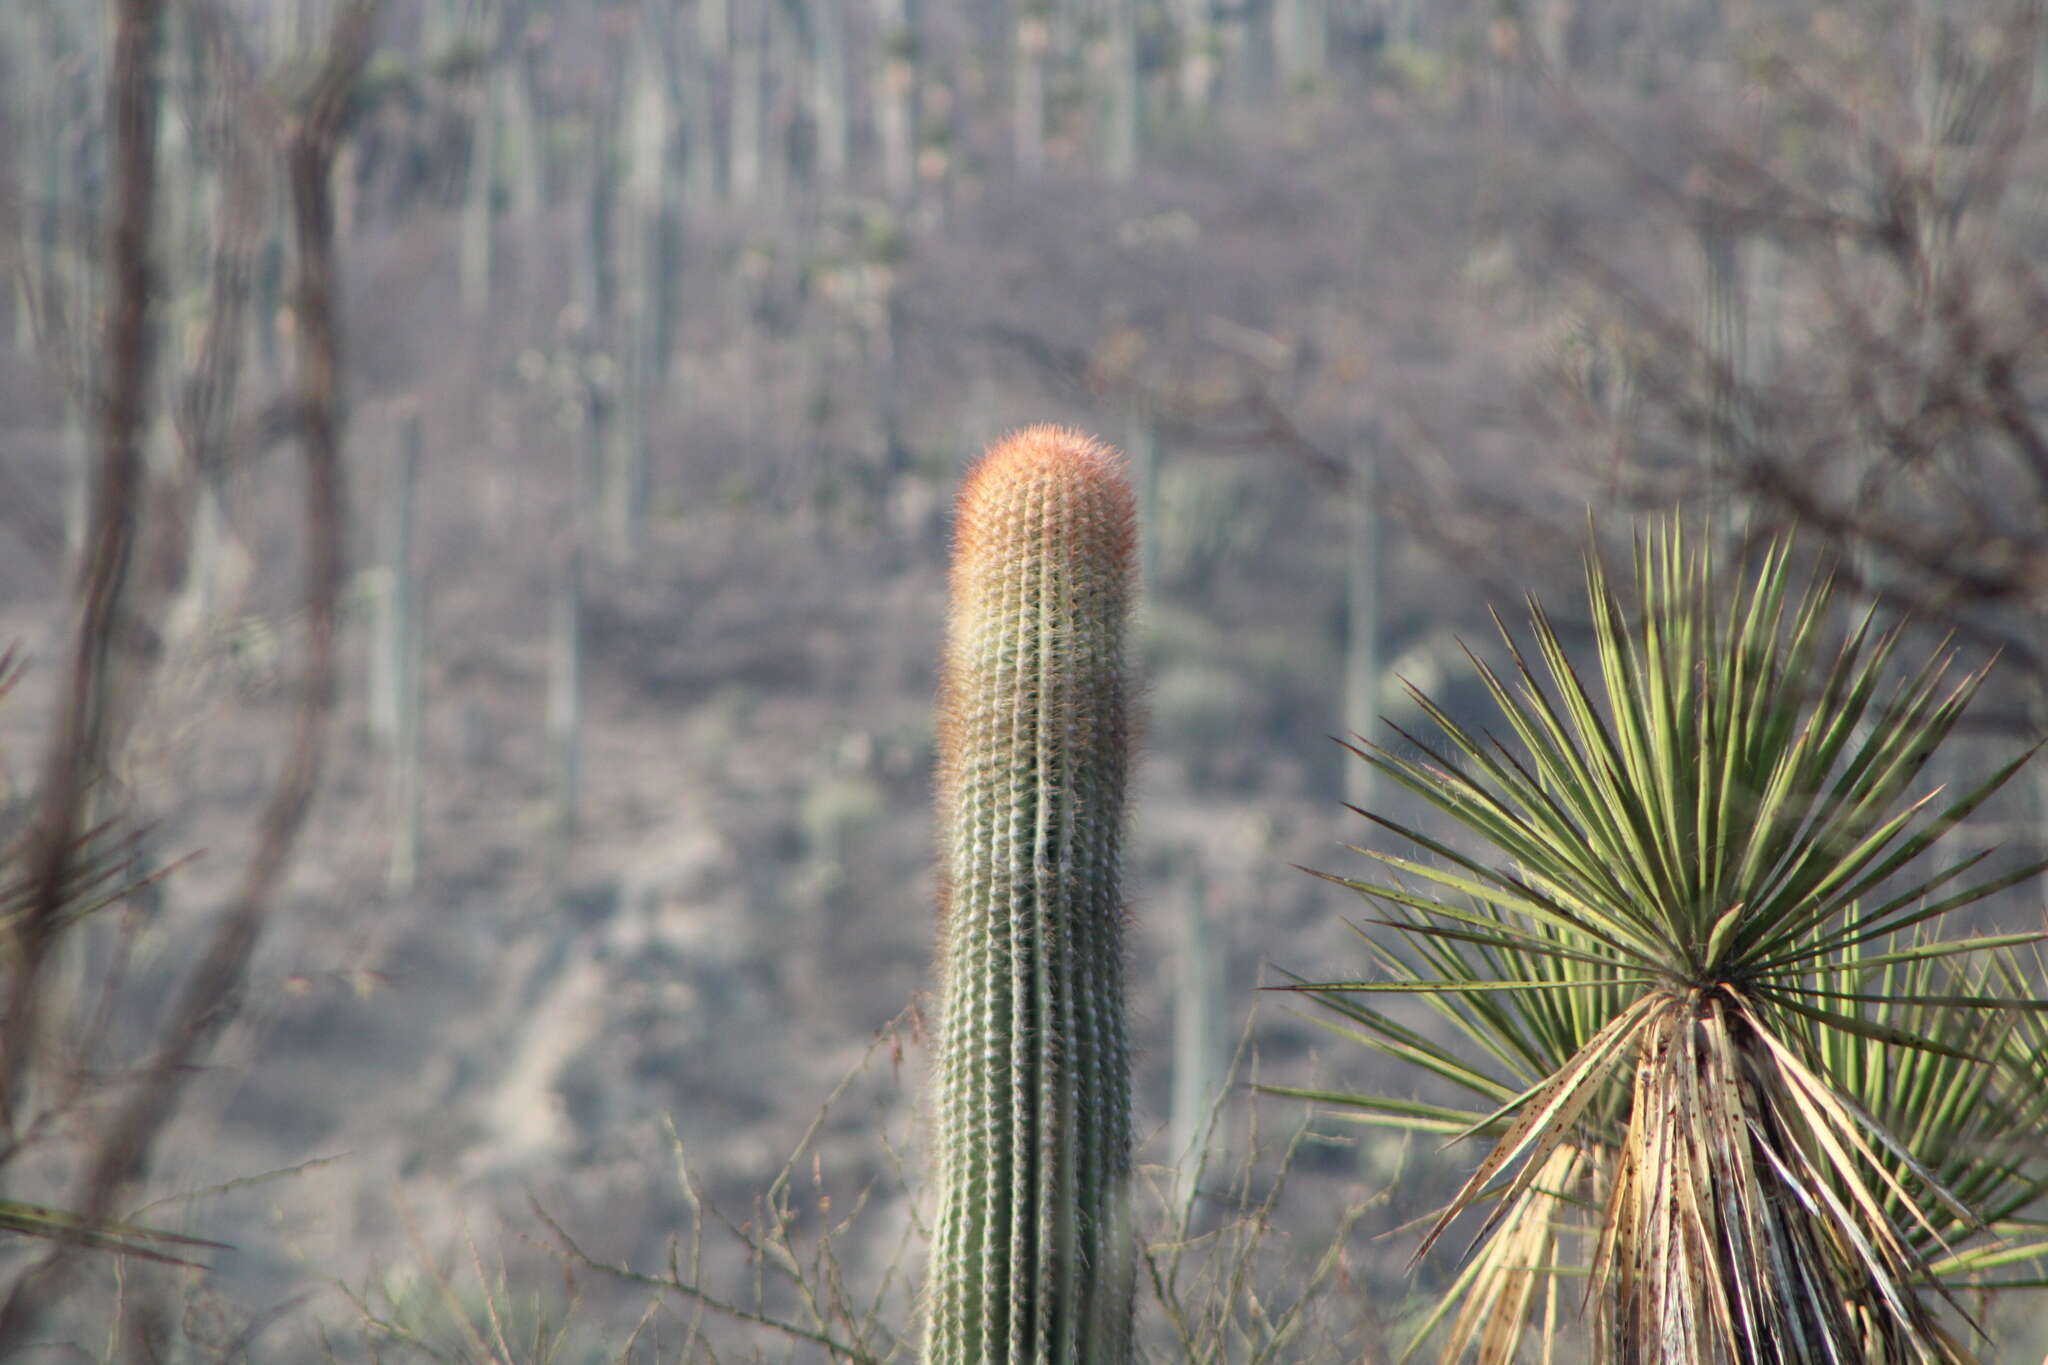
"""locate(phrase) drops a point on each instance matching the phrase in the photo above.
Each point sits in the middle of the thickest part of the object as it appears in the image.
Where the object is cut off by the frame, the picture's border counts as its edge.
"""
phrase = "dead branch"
(76, 753)
(212, 993)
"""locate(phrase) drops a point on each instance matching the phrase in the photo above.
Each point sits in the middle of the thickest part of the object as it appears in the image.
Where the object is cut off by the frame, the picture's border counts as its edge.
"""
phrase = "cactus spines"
(1031, 1251)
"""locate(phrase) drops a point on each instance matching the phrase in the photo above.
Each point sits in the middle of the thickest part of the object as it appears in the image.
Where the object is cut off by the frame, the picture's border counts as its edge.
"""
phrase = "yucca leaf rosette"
(1688, 946)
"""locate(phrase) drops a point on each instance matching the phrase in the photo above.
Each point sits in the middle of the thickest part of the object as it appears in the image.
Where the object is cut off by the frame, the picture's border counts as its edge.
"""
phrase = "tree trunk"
(701, 178)
(478, 206)
(1361, 621)
(896, 98)
(520, 142)
(747, 131)
(406, 783)
(828, 91)
(1725, 333)
(1197, 982)
(1141, 449)
(1027, 110)
(565, 708)
(1300, 42)
(1197, 45)
(640, 336)
(1125, 110)
(392, 625)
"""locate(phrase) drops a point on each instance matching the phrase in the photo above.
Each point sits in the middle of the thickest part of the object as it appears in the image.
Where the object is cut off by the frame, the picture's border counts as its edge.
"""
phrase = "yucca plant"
(1719, 1055)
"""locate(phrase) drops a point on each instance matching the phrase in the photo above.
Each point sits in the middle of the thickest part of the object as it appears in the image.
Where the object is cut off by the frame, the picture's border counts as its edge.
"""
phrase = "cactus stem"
(1031, 1258)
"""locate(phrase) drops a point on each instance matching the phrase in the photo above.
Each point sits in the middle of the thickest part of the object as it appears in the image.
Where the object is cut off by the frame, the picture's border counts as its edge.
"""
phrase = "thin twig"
(838, 1348)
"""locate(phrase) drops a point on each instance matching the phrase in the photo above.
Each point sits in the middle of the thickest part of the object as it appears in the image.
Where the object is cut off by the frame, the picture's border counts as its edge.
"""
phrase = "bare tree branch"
(212, 994)
(76, 752)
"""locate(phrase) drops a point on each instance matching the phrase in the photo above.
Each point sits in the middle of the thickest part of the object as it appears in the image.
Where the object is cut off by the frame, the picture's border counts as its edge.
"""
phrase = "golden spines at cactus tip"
(1046, 513)
(1044, 489)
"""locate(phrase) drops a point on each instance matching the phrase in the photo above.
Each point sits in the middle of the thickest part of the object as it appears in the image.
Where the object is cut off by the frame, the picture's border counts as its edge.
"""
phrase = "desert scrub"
(1031, 1245)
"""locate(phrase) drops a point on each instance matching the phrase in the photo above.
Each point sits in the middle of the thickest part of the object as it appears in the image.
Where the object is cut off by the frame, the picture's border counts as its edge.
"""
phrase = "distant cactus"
(565, 708)
(1031, 1249)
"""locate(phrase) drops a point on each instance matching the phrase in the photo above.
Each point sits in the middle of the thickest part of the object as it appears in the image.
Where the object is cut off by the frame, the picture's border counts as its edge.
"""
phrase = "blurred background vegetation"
(664, 330)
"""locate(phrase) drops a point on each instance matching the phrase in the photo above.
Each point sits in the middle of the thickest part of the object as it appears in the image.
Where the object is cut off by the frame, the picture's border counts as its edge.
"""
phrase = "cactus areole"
(1031, 1250)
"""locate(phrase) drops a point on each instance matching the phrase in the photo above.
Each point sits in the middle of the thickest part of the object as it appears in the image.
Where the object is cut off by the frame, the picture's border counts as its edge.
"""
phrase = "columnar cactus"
(1031, 1250)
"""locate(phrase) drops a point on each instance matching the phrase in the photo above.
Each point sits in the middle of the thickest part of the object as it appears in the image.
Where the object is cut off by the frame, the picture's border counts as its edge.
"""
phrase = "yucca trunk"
(1711, 1234)
(1031, 1255)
